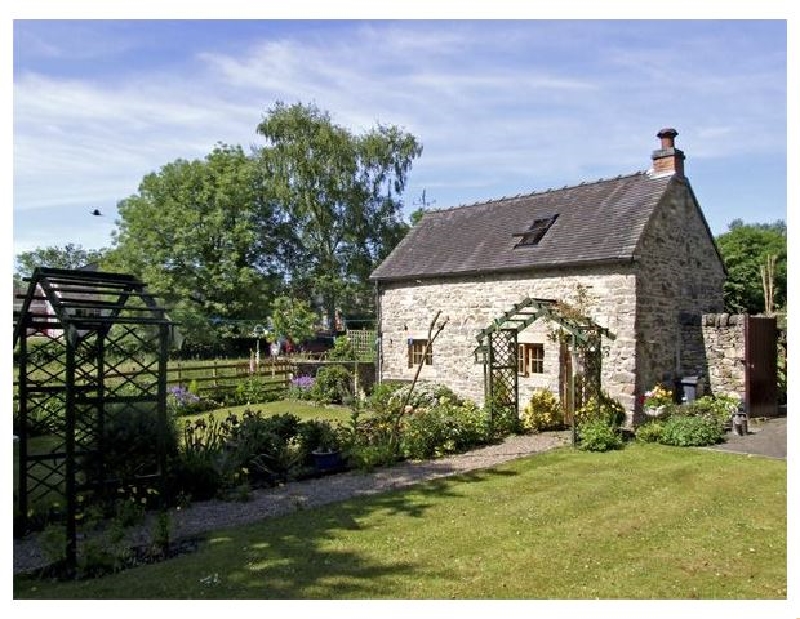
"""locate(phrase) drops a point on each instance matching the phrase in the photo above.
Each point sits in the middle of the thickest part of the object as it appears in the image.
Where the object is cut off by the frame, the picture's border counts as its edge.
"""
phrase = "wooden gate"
(761, 366)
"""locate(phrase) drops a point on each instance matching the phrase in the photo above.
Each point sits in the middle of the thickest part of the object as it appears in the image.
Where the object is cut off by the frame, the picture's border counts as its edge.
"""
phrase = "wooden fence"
(223, 374)
(211, 375)
(227, 374)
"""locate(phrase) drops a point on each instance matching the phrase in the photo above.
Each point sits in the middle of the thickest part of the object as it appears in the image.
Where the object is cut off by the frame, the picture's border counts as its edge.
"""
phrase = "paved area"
(764, 438)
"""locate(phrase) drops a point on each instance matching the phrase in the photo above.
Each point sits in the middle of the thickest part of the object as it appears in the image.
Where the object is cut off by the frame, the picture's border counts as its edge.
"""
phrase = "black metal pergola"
(497, 350)
(91, 346)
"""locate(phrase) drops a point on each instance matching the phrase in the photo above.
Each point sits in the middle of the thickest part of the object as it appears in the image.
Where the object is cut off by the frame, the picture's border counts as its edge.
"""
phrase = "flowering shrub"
(424, 395)
(300, 388)
(543, 412)
(181, 401)
(332, 385)
(609, 411)
(658, 396)
(444, 428)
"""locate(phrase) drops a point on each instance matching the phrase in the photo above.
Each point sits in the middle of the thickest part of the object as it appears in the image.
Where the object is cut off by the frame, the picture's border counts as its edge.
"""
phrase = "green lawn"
(304, 410)
(648, 522)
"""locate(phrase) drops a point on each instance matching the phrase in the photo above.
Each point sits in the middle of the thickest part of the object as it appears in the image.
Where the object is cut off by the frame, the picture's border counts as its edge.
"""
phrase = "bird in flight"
(96, 212)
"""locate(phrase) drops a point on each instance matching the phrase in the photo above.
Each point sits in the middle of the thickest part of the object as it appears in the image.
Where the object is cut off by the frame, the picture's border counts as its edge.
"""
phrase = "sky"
(500, 107)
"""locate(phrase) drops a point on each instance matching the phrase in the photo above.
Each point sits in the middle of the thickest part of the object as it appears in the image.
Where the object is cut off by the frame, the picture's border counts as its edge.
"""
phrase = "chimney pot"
(667, 137)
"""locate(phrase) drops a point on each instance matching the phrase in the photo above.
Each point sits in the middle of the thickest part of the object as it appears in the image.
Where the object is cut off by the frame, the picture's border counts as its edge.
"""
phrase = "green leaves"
(293, 318)
(70, 256)
(340, 192)
(309, 215)
(744, 249)
(196, 233)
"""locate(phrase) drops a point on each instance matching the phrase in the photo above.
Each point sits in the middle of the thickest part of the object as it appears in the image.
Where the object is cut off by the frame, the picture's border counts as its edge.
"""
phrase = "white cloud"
(510, 105)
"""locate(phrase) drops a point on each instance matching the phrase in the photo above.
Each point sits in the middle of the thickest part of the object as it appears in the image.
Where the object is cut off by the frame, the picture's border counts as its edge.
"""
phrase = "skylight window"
(535, 232)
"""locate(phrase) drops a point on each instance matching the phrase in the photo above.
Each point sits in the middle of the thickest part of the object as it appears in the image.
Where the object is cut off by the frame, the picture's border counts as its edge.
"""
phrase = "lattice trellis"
(100, 353)
(363, 342)
(500, 361)
(502, 388)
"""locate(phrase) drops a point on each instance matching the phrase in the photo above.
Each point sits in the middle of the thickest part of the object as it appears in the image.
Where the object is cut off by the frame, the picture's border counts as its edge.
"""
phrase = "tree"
(417, 215)
(204, 235)
(70, 256)
(341, 194)
(745, 248)
(293, 318)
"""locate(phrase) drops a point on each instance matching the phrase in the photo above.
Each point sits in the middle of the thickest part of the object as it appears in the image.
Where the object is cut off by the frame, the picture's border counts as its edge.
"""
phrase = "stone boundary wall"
(724, 354)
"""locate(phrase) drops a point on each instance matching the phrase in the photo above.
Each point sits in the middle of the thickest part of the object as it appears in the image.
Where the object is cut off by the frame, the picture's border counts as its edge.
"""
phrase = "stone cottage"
(634, 253)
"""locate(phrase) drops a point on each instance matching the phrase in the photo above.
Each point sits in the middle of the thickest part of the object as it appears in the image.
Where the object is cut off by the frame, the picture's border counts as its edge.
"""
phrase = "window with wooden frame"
(530, 359)
(416, 350)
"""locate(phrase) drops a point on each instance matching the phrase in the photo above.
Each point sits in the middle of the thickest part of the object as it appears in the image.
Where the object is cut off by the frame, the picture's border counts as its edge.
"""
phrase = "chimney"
(668, 160)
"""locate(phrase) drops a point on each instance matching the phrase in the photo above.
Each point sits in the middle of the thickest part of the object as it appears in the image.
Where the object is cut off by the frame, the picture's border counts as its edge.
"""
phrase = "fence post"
(180, 382)
(214, 372)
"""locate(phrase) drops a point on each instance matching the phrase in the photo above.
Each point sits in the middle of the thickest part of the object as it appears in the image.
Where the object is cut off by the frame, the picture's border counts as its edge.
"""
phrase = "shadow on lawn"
(310, 554)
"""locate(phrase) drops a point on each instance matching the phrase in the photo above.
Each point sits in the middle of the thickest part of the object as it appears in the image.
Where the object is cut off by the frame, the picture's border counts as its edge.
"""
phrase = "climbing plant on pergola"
(497, 351)
(91, 347)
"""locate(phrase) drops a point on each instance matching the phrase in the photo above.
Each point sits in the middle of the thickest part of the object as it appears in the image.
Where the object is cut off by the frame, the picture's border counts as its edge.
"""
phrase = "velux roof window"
(535, 232)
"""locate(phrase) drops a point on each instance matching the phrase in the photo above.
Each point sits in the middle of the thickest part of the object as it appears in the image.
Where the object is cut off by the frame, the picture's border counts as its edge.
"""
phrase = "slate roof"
(597, 222)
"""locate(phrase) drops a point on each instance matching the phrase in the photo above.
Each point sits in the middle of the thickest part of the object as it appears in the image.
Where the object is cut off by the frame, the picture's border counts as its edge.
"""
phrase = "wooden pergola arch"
(497, 350)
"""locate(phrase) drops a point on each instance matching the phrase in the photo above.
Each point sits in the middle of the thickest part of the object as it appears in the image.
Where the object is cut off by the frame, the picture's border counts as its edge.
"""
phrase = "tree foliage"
(745, 248)
(417, 215)
(308, 216)
(341, 195)
(292, 318)
(203, 234)
(70, 256)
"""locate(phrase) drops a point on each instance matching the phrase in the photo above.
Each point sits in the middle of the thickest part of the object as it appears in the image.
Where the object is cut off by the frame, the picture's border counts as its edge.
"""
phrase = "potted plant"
(657, 402)
(320, 440)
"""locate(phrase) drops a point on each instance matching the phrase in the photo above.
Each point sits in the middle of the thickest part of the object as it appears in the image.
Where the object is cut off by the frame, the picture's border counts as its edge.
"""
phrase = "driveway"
(764, 438)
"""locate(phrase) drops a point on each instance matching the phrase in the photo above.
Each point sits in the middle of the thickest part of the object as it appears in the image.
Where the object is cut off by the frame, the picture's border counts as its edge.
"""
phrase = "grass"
(304, 410)
(647, 522)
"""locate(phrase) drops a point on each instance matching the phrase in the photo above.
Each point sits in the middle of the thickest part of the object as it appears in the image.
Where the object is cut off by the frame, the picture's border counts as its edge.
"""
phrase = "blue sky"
(501, 107)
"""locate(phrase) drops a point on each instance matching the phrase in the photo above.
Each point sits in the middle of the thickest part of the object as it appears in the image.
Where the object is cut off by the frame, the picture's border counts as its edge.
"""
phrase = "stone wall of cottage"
(719, 361)
(472, 303)
(679, 278)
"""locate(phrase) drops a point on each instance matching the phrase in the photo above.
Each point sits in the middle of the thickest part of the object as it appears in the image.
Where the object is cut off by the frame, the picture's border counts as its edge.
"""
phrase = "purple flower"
(303, 383)
(183, 396)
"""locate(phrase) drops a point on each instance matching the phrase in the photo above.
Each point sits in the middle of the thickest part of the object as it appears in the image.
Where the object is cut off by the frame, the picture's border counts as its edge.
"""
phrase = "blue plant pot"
(326, 460)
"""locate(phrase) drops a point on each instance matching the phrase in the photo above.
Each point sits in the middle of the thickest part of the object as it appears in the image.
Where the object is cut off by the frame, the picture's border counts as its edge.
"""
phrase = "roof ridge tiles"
(540, 192)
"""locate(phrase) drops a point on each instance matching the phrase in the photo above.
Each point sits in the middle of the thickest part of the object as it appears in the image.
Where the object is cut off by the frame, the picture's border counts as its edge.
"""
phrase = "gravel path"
(207, 516)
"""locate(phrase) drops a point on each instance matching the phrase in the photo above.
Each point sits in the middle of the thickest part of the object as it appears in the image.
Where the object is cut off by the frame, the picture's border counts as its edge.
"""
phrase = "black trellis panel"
(71, 386)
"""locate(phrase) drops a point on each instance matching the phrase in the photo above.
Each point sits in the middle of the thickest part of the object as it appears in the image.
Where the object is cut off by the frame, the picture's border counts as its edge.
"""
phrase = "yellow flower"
(144, 500)
(133, 489)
